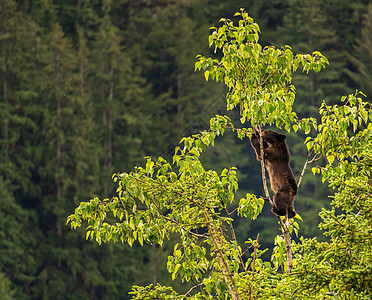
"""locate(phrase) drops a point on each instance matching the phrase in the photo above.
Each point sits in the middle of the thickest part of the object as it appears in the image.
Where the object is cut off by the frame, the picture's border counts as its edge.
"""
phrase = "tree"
(40, 257)
(5, 288)
(362, 57)
(160, 199)
(341, 268)
(19, 108)
(173, 32)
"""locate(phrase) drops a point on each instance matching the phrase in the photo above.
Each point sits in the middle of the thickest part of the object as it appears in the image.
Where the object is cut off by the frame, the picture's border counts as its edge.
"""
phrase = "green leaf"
(297, 216)
(206, 75)
(309, 145)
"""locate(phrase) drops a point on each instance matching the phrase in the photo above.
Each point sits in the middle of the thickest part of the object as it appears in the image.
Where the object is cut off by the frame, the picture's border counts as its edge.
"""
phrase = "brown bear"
(276, 157)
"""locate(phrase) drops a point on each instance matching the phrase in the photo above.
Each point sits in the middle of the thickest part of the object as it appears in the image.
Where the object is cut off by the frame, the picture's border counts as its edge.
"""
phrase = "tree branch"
(266, 79)
(256, 246)
(234, 239)
(224, 265)
(193, 287)
(267, 194)
(307, 162)
(287, 239)
(304, 169)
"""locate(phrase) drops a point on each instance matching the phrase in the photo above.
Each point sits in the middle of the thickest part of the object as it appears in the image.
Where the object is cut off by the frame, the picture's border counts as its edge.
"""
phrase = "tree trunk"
(180, 113)
(59, 142)
(5, 121)
(110, 120)
(312, 89)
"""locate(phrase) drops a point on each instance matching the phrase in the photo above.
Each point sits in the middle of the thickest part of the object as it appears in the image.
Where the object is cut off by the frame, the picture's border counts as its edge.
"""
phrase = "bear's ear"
(281, 137)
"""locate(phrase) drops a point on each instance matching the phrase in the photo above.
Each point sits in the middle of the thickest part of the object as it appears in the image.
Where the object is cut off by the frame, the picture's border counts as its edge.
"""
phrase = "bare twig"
(246, 250)
(266, 79)
(189, 231)
(304, 169)
(307, 162)
(256, 246)
(234, 239)
(316, 158)
(193, 287)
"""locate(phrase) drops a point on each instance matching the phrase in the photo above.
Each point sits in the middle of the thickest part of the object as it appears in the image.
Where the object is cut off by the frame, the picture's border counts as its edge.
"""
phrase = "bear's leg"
(283, 203)
(291, 211)
(280, 207)
(277, 212)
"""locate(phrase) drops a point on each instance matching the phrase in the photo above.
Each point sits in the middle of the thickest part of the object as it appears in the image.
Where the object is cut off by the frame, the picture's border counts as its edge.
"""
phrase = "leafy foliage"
(341, 267)
(361, 56)
(259, 79)
(159, 199)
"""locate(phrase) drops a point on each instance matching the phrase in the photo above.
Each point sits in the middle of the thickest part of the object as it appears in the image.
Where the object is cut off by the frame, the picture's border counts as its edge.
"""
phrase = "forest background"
(88, 88)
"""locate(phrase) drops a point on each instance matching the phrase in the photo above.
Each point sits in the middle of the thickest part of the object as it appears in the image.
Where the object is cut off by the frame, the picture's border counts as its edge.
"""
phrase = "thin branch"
(193, 287)
(316, 158)
(304, 169)
(224, 265)
(266, 79)
(263, 169)
(307, 162)
(246, 250)
(256, 246)
(234, 210)
(189, 231)
(234, 239)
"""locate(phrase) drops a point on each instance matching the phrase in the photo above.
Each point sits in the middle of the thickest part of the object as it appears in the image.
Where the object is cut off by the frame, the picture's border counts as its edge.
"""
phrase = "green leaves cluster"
(183, 198)
(155, 202)
(259, 80)
(338, 144)
(342, 267)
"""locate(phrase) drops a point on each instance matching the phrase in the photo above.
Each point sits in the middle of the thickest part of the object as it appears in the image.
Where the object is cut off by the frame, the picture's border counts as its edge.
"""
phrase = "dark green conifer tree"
(361, 57)
(19, 112)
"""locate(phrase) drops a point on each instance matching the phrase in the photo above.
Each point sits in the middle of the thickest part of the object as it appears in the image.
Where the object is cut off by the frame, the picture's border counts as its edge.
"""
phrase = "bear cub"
(276, 157)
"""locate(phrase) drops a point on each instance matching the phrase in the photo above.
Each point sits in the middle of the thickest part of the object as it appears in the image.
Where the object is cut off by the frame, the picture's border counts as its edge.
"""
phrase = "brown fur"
(283, 183)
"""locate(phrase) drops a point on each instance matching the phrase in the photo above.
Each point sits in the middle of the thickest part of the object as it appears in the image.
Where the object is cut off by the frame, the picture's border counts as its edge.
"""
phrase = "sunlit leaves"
(154, 292)
(183, 198)
(190, 263)
(259, 82)
(344, 138)
(161, 199)
(259, 79)
(251, 206)
(338, 131)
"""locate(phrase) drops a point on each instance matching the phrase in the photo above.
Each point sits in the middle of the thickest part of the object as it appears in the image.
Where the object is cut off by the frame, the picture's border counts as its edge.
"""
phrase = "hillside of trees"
(89, 88)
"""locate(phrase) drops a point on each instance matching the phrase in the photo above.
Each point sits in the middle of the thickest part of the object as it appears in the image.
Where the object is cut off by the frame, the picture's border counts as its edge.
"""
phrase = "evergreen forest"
(91, 87)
